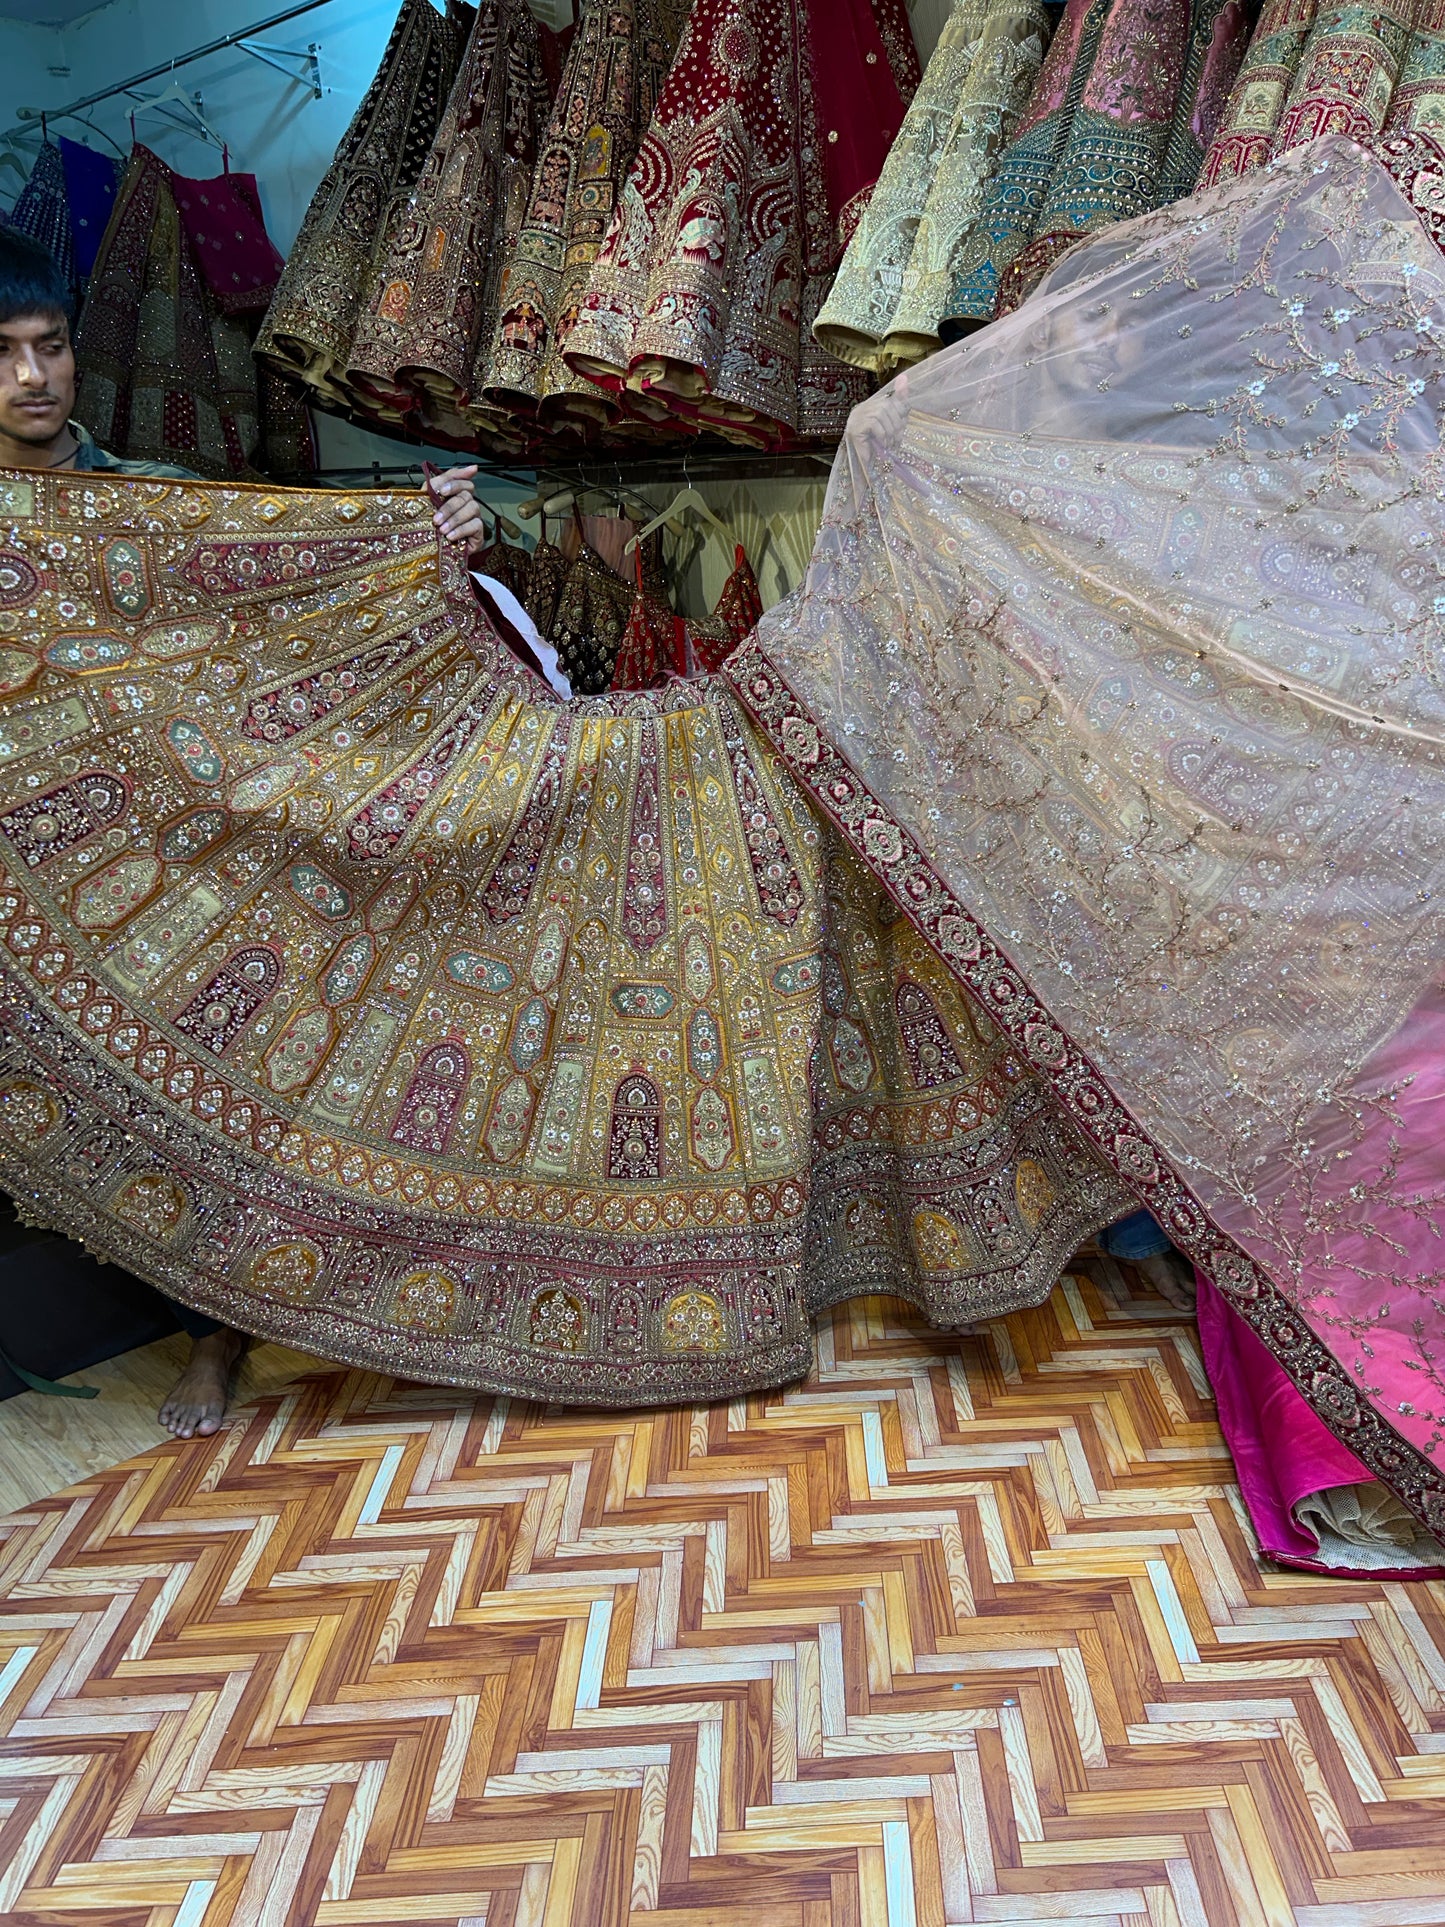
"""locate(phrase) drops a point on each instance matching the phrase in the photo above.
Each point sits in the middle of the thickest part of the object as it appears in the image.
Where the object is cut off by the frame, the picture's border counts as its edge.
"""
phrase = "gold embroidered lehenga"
(359, 992)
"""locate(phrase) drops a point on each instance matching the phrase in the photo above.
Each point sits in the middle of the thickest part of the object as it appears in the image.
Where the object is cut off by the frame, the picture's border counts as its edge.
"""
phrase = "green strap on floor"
(47, 1385)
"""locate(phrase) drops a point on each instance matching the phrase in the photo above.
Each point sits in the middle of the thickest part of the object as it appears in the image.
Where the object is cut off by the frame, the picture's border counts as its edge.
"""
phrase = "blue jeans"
(1136, 1237)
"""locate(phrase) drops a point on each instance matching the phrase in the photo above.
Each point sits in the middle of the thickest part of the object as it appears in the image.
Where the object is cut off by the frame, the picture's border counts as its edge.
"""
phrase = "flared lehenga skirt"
(361, 994)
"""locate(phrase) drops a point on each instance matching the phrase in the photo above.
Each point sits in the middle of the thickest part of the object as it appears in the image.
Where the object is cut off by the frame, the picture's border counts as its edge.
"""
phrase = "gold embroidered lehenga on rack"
(311, 324)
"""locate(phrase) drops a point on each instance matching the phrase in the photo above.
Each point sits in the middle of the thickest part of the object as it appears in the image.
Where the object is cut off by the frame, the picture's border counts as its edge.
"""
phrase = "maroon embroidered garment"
(767, 139)
(223, 222)
(166, 373)
(654, 643)
(616, 66)
(433, 303)
(738, 612)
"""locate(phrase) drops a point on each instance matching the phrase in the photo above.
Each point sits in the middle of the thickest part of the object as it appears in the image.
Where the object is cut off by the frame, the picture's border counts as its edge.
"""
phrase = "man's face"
(37, 378)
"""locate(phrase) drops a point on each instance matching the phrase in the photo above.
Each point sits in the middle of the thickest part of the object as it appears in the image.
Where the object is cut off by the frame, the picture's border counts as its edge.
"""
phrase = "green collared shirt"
(90, 455)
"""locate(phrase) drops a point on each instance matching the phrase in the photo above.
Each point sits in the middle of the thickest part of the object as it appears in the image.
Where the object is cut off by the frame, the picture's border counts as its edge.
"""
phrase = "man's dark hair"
(30, 281)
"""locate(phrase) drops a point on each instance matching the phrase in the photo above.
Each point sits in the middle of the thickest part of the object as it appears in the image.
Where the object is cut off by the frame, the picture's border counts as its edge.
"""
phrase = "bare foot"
(197, 1401)
(1172, 1276)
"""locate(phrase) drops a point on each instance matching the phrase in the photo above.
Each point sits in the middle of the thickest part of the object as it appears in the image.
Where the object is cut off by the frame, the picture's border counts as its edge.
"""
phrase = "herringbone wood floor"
(962, 1630)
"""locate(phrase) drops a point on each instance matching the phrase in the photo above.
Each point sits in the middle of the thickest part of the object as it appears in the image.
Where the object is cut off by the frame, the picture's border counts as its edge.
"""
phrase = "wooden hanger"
(688, 498)
(505, 525)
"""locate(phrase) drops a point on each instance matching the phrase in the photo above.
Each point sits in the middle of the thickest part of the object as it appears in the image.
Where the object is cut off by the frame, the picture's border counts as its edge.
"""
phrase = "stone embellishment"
(43, 827)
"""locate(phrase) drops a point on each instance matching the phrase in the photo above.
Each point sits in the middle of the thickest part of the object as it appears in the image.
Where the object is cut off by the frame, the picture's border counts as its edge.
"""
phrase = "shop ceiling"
(48, 13)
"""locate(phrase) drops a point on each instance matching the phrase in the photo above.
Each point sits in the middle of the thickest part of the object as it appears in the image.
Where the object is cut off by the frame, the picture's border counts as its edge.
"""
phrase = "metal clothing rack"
(618, 473)
(307, 70)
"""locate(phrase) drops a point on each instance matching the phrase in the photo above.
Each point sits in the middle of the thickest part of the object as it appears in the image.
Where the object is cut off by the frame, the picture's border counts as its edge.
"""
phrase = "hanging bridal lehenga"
(311, 326)
(765, 145)
(724, 219)
(1123, 111)
(1376, 76)
(433, 303)
(897, 274)
(615, 70)
(163, 347)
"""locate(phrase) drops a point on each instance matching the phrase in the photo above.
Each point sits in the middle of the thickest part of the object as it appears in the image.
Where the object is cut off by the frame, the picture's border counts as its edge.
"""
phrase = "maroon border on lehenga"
(999, 987)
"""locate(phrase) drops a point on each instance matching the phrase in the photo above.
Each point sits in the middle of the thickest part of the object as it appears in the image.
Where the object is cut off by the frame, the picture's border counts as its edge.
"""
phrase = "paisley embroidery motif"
(124, 571)
(323, 893)
(195, 752)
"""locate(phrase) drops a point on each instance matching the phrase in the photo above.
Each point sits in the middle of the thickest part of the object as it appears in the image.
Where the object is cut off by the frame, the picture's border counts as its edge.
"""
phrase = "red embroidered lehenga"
(618, 61)
(1076, 844)
(767, 140)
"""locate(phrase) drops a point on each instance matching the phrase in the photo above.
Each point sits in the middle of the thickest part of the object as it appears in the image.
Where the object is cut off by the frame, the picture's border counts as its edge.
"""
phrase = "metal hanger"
(175, 95)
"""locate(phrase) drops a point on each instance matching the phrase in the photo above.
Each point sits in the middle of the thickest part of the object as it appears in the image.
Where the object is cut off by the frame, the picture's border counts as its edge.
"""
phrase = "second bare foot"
(1172, 1276)
(196, 1404)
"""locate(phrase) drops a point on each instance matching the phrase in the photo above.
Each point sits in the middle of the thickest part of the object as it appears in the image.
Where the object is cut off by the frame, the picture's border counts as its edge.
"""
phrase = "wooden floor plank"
(959, 1630)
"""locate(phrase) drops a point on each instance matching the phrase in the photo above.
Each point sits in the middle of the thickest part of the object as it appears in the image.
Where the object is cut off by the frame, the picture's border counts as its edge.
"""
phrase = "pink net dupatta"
(1120, 661)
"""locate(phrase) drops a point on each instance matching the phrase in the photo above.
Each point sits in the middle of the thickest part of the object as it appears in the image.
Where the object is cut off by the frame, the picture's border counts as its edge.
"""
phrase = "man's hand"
(459, 519)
